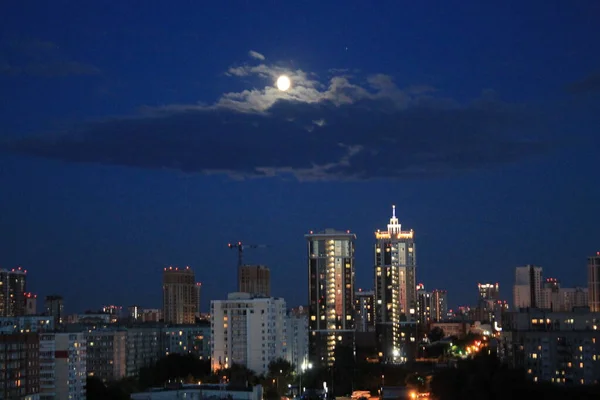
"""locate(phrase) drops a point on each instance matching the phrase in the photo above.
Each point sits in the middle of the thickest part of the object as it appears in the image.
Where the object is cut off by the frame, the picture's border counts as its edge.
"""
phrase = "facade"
(439, 304)
(143, 348)
(424, 305)
(62, 366)
(55, 308)
(559, 299)
(364, 307)
(12, 292)
(198, 299)
(205, 391)
(528, 287)
(27, 323)
(190, 339)
(254, 279)
(395, 286)
(297, 338)
(594, 282)
(331, 294)
(180, 303)
(249, 331)
(562, 348)
(106, 354)
(30, 304)
(20, 372)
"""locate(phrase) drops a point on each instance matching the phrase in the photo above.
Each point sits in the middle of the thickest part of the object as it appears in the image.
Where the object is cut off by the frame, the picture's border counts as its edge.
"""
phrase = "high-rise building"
(488, 291)
(330, 294)
(30, 304)
(424, 305)
(254, 279)
(248, 331)
(198, 298)
(364, 301)
(180, 302)
(12, 292)
(63, 366)
(395, 286)
(439, 304)
(594, 282)
(106, 354)
(55, 308)
(528, 287)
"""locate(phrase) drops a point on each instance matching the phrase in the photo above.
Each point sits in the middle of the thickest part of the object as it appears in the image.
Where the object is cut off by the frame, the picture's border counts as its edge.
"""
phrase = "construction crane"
(240, 248)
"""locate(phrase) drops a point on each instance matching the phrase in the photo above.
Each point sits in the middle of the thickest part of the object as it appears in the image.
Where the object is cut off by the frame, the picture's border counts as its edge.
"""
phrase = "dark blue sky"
(140, 137)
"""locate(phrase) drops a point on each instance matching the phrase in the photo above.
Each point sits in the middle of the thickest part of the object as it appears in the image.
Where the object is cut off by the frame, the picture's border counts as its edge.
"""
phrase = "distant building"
(180, 303)
(12, 292)
(594, 282)
(202, 391)
(528, 287)
(55, 307)
(20, 372)
(364, 304)
(63, 366)
(395, 286)
(106, 354)
(488, 291)
(26, 323)
(297, 338)
(555, 298)
(30, 304)
(439, 304)
(144, 348)
(424, 305)
(331, 294)
(187, 339)
(561, 348)
(254, 279)
(198, 299)
(247, 330)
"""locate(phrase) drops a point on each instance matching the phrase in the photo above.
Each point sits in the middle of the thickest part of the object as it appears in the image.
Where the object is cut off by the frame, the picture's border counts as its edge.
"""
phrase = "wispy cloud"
(256, 55)
(317, 130)
(589, 84)
(39, 58)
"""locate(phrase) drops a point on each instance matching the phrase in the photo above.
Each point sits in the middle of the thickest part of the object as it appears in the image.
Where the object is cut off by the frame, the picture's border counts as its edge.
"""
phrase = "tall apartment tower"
(528, 287)
(439, 305)
(364, 308)
(594, 282)
(254, 279)
(55, 308)
(488, 291)
(180, 301)
(12, 292)
(395, 286)
(330, 294)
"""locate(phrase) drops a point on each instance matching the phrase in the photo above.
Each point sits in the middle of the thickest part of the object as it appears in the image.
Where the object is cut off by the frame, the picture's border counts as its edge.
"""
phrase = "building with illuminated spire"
(395, 287)
(331, 295)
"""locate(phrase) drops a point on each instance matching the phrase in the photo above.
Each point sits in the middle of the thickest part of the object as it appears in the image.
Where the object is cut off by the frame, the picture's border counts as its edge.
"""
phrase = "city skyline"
(136, 139)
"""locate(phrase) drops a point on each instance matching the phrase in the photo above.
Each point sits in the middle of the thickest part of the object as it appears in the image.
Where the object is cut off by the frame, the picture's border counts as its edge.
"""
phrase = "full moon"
(283, 83)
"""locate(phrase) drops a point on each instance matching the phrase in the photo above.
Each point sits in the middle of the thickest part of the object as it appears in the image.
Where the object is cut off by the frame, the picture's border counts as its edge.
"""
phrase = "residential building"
(331, 294)
(143, 348)
(364, 308)
(55, 307)
(557, 347)
(202, 391)
(424, 305)
(297, 338)
(12, 292)
(62, 366)
(528, 287)
(247, 330)
(27, 323)
(254, 279)
(594, 282)
(20, 372)
(395, 286)
(198, 299)
(439, 305)
(187, 339)
(180, 303)
(30, 304)
(488, 291)
(106, 354)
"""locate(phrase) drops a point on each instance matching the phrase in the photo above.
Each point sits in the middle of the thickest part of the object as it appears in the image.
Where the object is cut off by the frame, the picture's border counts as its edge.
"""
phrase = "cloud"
(39, 58)
(256, 55)
(339, 129)
(589, 84)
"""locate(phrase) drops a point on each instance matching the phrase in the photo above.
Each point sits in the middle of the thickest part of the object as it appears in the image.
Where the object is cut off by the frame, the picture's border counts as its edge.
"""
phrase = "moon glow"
(283, 83)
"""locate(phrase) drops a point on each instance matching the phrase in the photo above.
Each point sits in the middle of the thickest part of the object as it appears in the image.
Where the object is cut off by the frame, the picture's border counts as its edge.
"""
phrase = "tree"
(174, 367)
(343, 370)
(281, 374)
(436, 334)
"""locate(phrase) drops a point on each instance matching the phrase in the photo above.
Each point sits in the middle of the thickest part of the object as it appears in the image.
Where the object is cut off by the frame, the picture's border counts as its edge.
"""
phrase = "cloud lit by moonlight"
(283, 83)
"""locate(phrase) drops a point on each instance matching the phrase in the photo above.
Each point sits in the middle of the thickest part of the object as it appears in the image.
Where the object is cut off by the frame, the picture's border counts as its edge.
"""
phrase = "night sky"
(136, 137)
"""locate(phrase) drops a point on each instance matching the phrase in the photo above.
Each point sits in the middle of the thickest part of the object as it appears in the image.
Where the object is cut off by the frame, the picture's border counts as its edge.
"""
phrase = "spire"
(393, 211)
